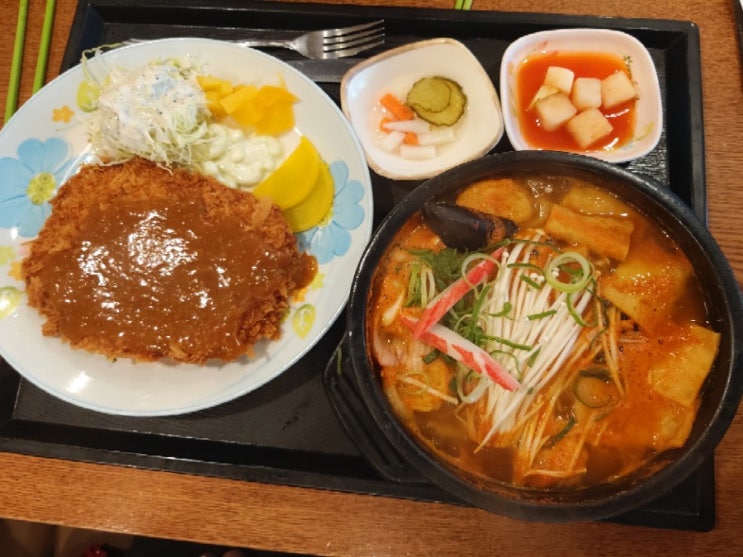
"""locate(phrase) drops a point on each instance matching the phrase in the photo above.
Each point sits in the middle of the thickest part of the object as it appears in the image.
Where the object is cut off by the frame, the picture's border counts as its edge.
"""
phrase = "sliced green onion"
(472, 259)
(531, 282)
(533, 357)
(510, 343)
(467, 324)
(430, 357)
(507, 307)
(507, 354)
(559, 436)
(575, 315)
(579, 280)
(477, 392)
(542, 315)
(413, 297)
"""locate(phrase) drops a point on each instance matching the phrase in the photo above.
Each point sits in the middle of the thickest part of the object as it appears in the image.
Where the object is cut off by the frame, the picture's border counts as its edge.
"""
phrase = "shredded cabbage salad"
(159, 112)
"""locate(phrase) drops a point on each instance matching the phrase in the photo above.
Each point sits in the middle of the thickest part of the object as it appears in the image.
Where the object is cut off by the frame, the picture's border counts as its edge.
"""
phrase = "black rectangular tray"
(287, 432)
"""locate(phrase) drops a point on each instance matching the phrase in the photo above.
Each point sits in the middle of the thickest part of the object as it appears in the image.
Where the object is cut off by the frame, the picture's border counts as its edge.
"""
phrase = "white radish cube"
(617, 89)
(417, 152)
(586, 93)
(588, 127)
(542, 93)
(560, 78)
(436, 137)
(554, 111)
(392, 141)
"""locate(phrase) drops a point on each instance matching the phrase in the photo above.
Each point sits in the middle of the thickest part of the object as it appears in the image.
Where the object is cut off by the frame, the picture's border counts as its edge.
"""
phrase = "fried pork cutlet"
(143, 262)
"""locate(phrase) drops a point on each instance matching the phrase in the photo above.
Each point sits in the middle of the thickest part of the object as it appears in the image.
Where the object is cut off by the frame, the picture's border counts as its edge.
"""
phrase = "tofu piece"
(648, 284)
(560, 78)
(663, 425)
(591, 200)
(617, 89)
(542, 93)
(646, 417)
(679, 374)
(586, 93)
(588, 127)
(554, 111)
(606, 236)
(503, 197)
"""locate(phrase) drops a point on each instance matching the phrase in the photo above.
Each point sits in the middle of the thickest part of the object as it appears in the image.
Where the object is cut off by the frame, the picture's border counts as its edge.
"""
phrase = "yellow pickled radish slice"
(293, 180)
(311, 211)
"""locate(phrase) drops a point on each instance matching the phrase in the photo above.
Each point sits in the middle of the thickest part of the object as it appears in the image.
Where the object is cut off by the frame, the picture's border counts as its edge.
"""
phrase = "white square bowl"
(395, 71)
(648, 124)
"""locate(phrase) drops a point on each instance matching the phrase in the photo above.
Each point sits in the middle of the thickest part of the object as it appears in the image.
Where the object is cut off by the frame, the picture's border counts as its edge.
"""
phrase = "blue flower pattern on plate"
(30, 181)
(334, 239)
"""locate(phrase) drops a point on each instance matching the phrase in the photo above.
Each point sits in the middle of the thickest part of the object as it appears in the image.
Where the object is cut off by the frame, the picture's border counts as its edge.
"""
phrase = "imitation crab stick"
(446, 299)
(456, 346)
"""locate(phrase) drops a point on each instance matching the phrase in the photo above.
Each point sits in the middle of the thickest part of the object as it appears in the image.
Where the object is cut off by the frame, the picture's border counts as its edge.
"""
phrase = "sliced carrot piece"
(383, 122)
(396, 107)
(411, 138)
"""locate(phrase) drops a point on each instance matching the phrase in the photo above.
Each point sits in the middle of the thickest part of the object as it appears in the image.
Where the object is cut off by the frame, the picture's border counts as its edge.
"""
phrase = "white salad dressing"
(159, 112)
(239, 159)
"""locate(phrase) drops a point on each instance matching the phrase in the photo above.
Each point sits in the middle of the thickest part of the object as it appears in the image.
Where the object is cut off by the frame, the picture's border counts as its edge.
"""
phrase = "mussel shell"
(463, 228)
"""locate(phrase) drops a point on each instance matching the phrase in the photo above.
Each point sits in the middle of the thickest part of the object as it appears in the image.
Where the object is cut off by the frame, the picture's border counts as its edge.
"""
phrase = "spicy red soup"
(530, 77)
(590, 307)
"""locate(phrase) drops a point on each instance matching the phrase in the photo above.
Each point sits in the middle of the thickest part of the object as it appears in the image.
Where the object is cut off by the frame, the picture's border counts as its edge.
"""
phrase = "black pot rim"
(592, 503)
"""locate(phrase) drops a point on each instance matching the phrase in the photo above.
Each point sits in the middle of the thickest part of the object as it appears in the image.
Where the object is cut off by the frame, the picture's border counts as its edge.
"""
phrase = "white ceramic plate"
(47, 138)
(395, 71)
(649, 110)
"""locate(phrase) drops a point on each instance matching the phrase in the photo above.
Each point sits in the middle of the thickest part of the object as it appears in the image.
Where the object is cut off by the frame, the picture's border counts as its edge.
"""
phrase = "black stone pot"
(721, 392)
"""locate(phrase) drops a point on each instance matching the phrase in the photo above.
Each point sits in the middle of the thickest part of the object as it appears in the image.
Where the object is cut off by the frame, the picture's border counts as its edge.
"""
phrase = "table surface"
(280, 518)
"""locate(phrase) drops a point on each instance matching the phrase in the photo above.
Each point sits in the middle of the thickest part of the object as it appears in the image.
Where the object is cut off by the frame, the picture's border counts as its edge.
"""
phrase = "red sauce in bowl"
(530, 77)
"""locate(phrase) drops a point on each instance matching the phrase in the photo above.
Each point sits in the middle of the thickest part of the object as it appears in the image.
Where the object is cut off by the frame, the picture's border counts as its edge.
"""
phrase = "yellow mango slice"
(268, 109)
(276, 121)
(293, 180)
(276, 107)
(272, 95)
(240, 95)
(220, 86)
(247, 115)
(313, 209)
(213, 104)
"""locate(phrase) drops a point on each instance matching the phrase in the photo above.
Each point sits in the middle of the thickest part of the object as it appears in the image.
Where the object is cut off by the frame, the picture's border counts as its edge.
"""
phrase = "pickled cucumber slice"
(430, 93)
(426, 98)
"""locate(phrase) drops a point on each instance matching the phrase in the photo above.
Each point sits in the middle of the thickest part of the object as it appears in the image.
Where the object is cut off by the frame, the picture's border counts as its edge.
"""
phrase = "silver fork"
(324, 43)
